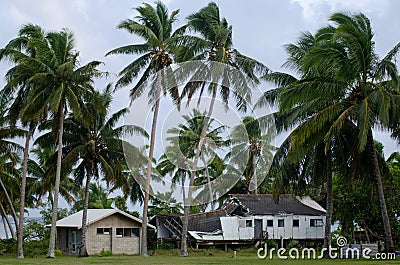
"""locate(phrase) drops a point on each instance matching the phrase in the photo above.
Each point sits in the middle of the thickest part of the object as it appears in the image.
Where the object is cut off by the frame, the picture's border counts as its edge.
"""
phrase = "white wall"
(303, 231)
(234, 227)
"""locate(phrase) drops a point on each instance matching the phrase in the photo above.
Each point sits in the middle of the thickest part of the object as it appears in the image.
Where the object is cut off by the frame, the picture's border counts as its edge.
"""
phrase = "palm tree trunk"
(389, 246)
(208, 183)
(7, 220)
(20, 235)
(366, 235)
(143, 241)
(184, 252)
(255, 174)
(13, 213)
(53, 229)
(329, 204)
(5, 226)
(83, 252)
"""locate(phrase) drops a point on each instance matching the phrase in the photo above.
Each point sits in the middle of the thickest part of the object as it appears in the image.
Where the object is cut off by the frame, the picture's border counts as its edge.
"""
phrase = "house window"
(316, 222)
(119, 232)
(127, 232)
(281, 223)
(270, 223)
(103, 231)
(249, 223)
(135, 232)
(296, 223)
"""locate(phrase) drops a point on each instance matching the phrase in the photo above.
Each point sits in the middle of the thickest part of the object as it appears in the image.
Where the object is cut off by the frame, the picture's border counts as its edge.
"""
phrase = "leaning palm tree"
(360, 87)
(58, 83)
(214, 44)
(9, 151)
(9, 187)
(16, 90)
(154, 25)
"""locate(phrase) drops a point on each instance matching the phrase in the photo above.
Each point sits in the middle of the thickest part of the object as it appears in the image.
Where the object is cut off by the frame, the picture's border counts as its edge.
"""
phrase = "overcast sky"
(260, 27)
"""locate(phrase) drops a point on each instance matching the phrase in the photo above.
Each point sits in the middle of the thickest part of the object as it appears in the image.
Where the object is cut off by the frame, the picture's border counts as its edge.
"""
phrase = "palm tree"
(9, 151)
(186, 140)
(214, 45)
(95, 146)
(295, 167)
(57, 84)
(259, 149)
(154, 25)
(164, 203)
(360, 87)
(9, 187)
(42, 174)
(16, 50)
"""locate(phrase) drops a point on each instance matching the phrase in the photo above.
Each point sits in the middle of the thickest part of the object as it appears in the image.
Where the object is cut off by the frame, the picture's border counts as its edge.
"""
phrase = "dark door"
(258, 228)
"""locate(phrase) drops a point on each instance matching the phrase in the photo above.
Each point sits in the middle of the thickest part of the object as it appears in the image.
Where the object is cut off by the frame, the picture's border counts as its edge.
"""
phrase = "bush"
(271, 243)
(58, 252)
(105, 253)
(293, 244)
(8, 245)
(165, 245)
(36, 248)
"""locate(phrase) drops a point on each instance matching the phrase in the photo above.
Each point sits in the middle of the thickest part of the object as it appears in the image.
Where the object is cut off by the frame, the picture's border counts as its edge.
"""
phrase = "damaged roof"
(264, 204)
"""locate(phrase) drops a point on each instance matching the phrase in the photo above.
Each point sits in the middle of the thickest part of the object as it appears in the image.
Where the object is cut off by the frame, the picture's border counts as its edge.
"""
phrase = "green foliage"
(46, 213)
(33, 230)
(293, 244)
(36, 248)
(8, 245)
(271, 243)
(164, 204)
(166, 245)
(58, 252)
(105, 253)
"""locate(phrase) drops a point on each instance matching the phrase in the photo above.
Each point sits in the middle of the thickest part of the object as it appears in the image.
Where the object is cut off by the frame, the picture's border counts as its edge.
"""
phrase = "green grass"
(171, 257)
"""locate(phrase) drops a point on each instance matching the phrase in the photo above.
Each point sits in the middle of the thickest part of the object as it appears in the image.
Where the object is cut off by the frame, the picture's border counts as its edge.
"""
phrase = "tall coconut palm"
(154, 25)
(16, 90)
(361, 88)
(58, 83)
(214, 45)
(309, 162)
(94, 145)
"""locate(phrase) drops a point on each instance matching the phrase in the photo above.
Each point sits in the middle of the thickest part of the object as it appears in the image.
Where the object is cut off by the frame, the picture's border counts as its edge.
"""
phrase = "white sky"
(260, 27)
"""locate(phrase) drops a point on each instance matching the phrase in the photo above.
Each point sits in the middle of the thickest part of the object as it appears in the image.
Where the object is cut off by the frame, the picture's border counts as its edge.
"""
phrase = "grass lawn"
(171, 257)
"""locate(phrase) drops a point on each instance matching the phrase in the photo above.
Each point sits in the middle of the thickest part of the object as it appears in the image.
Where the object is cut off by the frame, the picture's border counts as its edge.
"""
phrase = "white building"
(246, 218)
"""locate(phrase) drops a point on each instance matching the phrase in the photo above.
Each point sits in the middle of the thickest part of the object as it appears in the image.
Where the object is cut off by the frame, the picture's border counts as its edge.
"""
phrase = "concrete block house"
(108, 229)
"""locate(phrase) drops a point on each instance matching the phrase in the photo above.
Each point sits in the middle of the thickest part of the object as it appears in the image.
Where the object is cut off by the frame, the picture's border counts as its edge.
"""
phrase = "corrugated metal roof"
(264, 204)
(94, 215)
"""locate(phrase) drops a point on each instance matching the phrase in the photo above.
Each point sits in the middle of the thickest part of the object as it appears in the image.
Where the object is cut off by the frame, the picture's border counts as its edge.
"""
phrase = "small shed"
(107, 229)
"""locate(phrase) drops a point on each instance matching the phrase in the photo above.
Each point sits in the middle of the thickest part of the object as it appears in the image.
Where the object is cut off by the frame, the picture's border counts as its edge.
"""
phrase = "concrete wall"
(117, 245)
